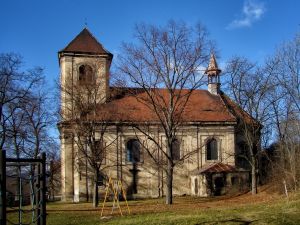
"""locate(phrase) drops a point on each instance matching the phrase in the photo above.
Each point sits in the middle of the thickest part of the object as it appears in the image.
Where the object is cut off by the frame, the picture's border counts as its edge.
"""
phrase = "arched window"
(212, 149)
(85, 74)
(133, 149)
(176, 149)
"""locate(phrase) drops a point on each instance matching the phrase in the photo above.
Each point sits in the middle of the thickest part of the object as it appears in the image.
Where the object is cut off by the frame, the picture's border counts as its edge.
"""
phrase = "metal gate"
(25, 203)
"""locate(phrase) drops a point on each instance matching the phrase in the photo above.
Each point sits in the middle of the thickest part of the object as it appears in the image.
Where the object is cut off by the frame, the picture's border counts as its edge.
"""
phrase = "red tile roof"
(202, 106)
(125, 104)
(217, 168)
(85, 42)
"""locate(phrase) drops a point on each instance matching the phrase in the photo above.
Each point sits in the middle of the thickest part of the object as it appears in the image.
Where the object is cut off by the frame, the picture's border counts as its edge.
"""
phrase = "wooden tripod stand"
(115, 188)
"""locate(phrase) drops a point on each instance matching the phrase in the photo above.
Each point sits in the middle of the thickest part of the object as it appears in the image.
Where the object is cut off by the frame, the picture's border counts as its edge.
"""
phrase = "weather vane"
(85, 22)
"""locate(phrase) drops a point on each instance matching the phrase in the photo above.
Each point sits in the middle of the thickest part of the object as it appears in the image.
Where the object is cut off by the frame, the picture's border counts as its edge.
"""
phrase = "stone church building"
(210, 133)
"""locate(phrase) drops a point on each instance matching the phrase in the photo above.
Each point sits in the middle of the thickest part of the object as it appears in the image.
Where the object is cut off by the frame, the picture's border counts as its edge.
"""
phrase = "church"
(210, 134)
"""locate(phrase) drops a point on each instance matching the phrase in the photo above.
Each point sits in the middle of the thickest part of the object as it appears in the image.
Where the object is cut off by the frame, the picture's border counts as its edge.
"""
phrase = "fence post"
(3, 187)
(38, 195)
(44, 189)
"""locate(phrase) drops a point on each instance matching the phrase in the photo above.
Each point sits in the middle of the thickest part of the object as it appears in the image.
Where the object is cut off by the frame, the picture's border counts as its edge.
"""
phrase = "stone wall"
(150, 177)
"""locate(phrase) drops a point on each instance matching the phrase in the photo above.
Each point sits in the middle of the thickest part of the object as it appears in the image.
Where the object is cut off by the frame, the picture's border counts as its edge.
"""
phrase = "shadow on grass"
(74, 210)
(239, 221)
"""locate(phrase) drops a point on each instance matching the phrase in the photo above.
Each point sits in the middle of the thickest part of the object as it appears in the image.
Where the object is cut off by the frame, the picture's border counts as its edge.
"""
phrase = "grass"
(244, 209)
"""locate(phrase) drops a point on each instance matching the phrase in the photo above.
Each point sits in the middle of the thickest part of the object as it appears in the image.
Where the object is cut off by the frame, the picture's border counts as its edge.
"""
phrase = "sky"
(38, 29)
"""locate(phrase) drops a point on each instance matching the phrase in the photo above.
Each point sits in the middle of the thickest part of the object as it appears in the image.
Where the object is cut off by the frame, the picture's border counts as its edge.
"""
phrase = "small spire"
(212, 62)
(212, 68)
(213, 74)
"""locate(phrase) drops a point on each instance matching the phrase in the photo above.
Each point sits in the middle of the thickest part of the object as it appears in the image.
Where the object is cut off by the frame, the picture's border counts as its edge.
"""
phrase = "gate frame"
(41, 220)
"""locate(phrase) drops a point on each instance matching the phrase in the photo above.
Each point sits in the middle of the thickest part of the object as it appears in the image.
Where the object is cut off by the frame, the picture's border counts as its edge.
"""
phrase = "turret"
(213, 73)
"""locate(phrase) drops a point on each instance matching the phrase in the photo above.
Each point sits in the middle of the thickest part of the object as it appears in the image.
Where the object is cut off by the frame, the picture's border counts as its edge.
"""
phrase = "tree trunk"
(253, 178)
(95, 194)
(86, 182)
(169, 193)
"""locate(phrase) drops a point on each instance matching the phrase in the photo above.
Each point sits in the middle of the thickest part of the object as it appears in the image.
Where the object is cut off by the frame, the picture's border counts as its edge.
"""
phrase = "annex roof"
(217, 168)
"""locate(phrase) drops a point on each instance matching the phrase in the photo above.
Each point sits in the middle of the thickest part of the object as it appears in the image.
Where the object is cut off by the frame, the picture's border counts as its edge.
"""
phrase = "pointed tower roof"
(86, 43)
(212, 68)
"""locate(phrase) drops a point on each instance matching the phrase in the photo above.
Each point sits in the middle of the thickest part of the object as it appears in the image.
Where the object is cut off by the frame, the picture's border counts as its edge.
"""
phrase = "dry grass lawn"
(262, 208)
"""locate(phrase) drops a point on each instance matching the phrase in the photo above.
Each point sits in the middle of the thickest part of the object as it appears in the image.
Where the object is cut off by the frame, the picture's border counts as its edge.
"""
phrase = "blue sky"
(39, 29)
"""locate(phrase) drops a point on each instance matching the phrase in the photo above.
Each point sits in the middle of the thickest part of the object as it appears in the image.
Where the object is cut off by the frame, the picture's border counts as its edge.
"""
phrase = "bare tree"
(54, 170)
(165, 65)
(287, 61)
(270, 95)
(250, 86)
(24, 111)
(286, 66)
(286, 166)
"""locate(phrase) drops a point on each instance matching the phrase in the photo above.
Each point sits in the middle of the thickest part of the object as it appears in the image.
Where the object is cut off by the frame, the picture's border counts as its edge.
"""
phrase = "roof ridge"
(227, 106)
(243, 112)
(182, 89)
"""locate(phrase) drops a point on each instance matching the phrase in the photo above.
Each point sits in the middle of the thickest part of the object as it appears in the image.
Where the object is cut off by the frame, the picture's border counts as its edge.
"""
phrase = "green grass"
(186, 210)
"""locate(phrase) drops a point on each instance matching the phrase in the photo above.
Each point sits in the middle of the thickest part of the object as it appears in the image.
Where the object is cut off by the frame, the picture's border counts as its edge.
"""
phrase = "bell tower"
(84, 75)
(213, 73)
(83, 62)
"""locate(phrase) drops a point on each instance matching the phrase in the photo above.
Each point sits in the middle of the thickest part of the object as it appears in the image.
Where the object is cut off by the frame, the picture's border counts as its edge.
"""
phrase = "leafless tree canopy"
(249, 86)
(270, 94)
(286, 67)
(166, 65)
(24, 113)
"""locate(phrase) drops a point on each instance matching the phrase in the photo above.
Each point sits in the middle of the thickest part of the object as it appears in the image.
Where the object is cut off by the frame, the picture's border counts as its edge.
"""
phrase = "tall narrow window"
(101, 179)
(100, 152)
(176, 149)
(212, 149)
(133, 149)
(85, 74)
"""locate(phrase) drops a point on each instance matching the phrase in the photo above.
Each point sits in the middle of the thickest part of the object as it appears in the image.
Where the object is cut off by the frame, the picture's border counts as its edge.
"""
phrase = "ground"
(263, 208)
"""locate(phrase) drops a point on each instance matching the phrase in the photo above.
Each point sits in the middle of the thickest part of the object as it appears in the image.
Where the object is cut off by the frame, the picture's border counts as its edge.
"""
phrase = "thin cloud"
(252, 12)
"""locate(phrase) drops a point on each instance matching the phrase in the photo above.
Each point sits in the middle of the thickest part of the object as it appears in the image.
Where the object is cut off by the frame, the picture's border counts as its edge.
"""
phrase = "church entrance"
(219, 185)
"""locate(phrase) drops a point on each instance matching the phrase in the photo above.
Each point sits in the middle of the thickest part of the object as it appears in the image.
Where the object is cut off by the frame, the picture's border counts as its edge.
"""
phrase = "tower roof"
(85, 42)
(212, 66)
